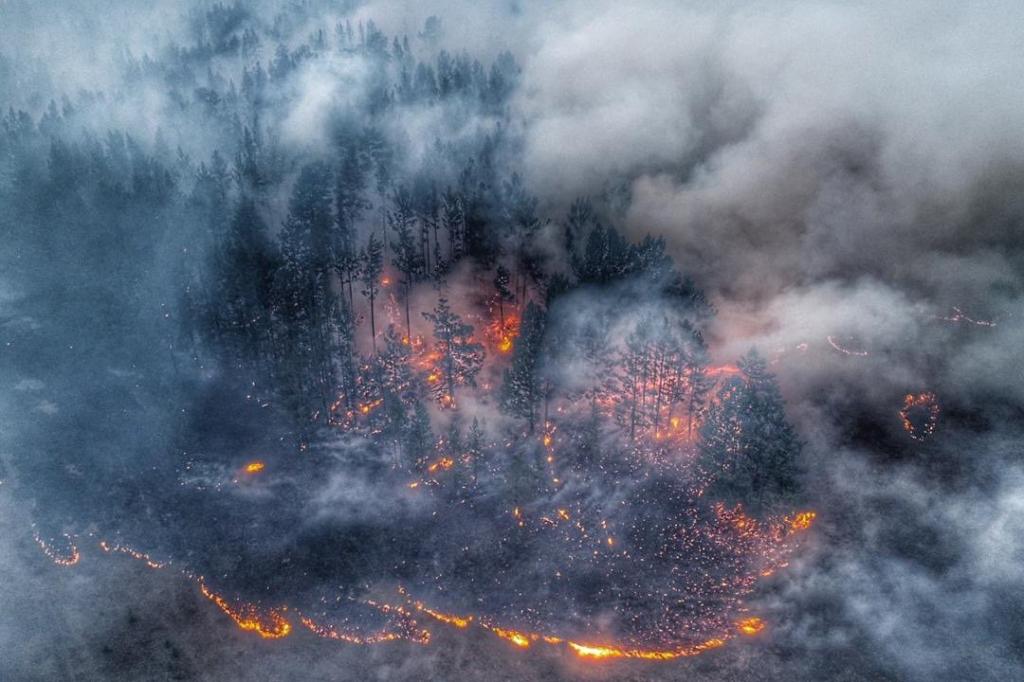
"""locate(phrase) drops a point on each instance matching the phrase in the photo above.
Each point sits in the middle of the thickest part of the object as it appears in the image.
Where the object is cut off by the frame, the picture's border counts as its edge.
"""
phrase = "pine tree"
(245, 273)
(350, 202)
(501, 282)
(406, 256)
(748, 451)
(372, 266)
(418, 437)
(461, 357)
(475, 450)
(521, 388)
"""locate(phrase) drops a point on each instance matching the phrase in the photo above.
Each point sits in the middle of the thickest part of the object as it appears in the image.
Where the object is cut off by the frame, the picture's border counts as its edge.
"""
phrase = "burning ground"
(515, 342)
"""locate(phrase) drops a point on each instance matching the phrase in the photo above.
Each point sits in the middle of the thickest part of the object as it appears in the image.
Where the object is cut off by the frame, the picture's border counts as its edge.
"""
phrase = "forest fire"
(134, 554)
(520, 639)
(959, 316)
(607, 652)
(750, 626)
(67, 558)
(254, 467)
(836, 344)
(270, 624)
(802, 521)
(920, 414)
(501, 333)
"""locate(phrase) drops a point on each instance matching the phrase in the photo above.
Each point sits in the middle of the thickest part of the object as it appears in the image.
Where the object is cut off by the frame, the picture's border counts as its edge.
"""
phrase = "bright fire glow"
(750, 626)
(270, 624)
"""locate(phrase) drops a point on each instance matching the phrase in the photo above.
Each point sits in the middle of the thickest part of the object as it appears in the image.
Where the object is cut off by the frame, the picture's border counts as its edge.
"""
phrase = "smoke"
(844, 180)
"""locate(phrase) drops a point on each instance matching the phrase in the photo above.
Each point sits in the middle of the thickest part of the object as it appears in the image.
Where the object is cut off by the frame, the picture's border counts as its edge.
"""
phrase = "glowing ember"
(959, 316)
(441, 465)
(447, 618)
(69, 557)
(138, 556)
(834, 342)
(802, 521)
(920, 414)
(750, 626)
(603, 652)
(520, 639)
(269, 625)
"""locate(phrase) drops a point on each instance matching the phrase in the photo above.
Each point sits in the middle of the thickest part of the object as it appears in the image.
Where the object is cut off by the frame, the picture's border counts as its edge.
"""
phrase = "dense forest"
(290, 311)
(538, 377)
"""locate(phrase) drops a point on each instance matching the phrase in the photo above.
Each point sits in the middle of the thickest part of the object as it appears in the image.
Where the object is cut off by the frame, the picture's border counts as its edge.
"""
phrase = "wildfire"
(68, 558)
(520, 639)
(750, 626)
(441, 465)
(502, 337)
(959, 316)
(134, 554)
(802, 521)
(269, 625)
(366, 408)
(915, 405)
(602, 652)
(833, 341)
(331, 633)
(447, 618)
(254, 467)
(723, 370)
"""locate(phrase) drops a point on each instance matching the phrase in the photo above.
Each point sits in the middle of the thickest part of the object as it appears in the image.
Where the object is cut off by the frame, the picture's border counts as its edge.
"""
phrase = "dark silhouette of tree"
(406, 257)
(461, 357)
(749, 450)
(501, 282)
(372, 266)
(521, 389)
(350, 203)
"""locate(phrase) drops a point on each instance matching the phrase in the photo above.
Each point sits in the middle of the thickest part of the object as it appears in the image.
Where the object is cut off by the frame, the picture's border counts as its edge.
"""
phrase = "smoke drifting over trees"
(523, 340)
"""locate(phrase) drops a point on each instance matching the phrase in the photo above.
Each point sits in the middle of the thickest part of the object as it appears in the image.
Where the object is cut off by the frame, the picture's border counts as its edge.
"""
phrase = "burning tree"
(748, 450)
(461, 357)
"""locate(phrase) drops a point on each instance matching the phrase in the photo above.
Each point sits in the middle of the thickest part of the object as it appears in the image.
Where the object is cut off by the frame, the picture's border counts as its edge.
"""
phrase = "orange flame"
(750, 626)
(271, 625)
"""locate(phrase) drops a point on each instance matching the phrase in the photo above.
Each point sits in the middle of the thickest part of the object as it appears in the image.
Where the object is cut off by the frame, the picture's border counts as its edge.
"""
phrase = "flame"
(442, 464)
(254, 467)
(750, 626)
(460, 622)
(70, 558)
(134, 554)
(271, 625)
(502, 337)
(926, 401)
(378, 638)
(601, 652)
(802, 521)
(520, 639)
(722, 370)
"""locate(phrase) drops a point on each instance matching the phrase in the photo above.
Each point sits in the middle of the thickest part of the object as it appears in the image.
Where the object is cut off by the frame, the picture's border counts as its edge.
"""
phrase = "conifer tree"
(461, 357)
(521, 388)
